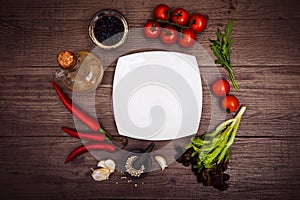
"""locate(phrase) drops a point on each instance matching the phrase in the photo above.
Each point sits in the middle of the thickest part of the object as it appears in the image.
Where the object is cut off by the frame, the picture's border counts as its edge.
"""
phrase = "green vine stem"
(171, 23)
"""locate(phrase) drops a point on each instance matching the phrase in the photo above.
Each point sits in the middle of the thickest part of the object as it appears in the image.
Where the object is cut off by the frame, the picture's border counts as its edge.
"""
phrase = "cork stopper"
(66, 59)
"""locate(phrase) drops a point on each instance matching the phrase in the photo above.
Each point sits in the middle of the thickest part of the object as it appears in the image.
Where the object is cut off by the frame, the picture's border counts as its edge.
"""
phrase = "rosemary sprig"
(221, 48)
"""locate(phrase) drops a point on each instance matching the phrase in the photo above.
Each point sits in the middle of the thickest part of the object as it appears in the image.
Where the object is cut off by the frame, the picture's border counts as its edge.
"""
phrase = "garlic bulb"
(161, 161)
(106, 168)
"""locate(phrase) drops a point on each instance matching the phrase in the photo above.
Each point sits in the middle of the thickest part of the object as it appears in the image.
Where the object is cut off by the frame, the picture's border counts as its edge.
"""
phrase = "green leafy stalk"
(211, 151)
(221, 48)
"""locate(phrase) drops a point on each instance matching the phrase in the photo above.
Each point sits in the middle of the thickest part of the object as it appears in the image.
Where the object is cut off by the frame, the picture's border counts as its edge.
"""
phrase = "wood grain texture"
(256, 42)
(265, 159)
(270, 101)
(141, 9)
(259, 168)
(35, 32)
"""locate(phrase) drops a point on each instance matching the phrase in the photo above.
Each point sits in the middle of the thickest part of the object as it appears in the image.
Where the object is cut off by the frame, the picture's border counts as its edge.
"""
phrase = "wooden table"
(264, 163)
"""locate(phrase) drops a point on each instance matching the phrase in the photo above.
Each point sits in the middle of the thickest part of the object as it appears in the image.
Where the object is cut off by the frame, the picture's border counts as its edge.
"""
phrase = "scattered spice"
(131, 170)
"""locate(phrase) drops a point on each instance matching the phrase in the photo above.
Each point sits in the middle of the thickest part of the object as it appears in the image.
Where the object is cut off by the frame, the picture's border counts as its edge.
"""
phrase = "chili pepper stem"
(101, 130)
(117, 141)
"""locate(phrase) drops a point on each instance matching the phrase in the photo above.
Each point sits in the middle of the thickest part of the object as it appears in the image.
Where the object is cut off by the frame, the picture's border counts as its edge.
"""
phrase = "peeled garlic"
(161, 161)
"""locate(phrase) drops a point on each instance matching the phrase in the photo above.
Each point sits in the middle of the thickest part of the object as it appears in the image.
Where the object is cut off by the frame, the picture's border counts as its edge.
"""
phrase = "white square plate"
(157, 95)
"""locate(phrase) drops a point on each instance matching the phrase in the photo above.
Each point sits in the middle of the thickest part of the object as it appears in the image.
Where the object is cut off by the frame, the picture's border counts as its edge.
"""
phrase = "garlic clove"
(100, 174)
(111, 165)
(101, 163)
(161, 161)
(106, 168)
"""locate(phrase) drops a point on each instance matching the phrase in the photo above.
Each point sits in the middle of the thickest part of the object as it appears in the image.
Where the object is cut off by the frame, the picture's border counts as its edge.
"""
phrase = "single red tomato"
(168, 35)
(220, 87)
(198, 23)
(187, 38)
(180, 16)
(230, 103)
(161, 12)
(152, 29)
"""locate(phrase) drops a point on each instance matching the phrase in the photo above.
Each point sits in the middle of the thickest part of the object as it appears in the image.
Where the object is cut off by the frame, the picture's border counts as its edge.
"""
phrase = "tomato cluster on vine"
(175, 26)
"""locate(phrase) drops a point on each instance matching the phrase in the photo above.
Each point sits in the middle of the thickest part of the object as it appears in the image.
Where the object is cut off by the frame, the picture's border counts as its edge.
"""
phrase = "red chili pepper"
(84, 135)
(99, 146)
(76, 111)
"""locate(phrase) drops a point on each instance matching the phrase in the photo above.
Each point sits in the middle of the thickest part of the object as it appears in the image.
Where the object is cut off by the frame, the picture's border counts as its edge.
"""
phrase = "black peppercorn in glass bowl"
(108, 29)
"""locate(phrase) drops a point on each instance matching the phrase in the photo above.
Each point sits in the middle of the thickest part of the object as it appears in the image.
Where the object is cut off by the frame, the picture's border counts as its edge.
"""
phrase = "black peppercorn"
(109, 30)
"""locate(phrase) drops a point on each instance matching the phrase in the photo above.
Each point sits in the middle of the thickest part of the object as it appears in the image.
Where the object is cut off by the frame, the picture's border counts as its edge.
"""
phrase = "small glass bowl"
(104, 19)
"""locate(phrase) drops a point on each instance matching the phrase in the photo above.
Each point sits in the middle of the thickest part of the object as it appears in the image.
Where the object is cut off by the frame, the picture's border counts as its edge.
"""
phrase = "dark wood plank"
(136, 10)
(265, 156)
(257, 42)
(271, 94)
(33, 167)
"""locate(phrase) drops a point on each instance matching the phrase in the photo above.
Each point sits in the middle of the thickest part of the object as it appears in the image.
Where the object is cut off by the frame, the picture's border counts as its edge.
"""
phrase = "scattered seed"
(131, 170)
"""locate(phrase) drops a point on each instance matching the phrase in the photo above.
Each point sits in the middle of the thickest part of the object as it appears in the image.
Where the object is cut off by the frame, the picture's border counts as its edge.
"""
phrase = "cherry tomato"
(187, 38)
(198, 23)
(180, 16)
(161, 12)
(152, 29)
(230, 103)
(168, 35)
(220, 87)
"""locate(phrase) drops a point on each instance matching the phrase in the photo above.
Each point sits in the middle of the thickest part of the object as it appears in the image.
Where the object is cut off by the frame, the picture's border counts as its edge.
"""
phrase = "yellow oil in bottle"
(81, 72)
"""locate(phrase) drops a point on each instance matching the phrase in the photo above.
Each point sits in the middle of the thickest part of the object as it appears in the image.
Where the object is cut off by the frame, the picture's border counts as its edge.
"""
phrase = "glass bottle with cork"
(80, 72)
